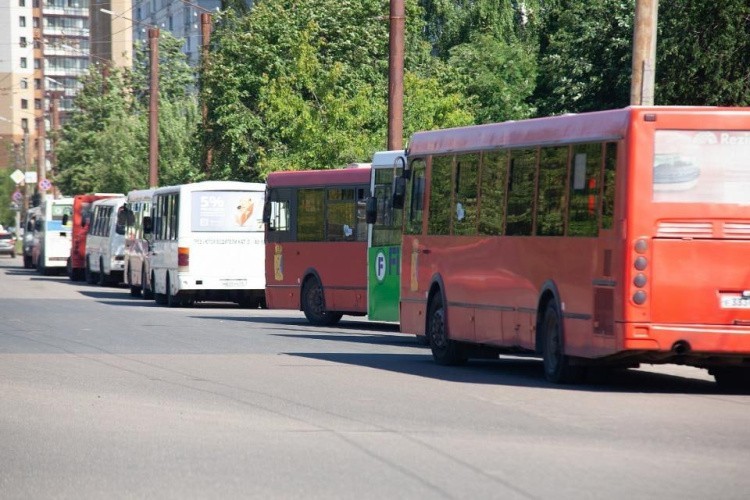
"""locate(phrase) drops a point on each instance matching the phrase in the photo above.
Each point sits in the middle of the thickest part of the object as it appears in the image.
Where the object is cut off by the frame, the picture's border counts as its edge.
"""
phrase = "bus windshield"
(227, 211)
(699, 166)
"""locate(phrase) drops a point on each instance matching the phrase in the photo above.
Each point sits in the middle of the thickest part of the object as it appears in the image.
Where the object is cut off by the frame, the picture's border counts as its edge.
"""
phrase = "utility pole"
(153, 109)
(396, 76)
(41, 163)
(205, 41)
(644, 53)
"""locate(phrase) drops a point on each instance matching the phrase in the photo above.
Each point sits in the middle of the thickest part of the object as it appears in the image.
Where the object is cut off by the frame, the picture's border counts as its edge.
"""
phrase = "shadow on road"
(518, 372)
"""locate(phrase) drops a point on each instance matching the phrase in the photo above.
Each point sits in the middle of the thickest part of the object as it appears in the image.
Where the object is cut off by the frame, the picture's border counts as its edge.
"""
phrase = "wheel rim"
(314, 299)
(438, 335)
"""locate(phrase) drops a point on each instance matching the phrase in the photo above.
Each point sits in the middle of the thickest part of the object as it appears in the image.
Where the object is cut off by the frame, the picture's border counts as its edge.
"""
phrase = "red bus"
(81, 216)
(316, 242)
(610, 238)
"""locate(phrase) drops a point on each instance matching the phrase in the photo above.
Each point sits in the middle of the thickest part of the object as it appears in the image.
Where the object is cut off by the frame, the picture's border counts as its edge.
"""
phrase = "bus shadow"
(519, 372)
(302, 322)
(365, 338)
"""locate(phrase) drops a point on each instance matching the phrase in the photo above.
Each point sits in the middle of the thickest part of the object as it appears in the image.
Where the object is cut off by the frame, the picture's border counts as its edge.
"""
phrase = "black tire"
(444, 350)
(314, 307)
(172, 300)
(103, 278)
(146, 292)
(135, 291)
(159, 298)
(91, 276)
(732, 378)
(557, 366)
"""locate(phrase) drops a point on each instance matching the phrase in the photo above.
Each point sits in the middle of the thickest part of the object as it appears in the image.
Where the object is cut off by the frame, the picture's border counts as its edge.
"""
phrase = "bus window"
(310, 219)
(415, 198)
(439, 218)
(341, 219)
(465, 206)
(553, 168)
(492, 188)
(521, 192)
(608, 208)
(584, 190)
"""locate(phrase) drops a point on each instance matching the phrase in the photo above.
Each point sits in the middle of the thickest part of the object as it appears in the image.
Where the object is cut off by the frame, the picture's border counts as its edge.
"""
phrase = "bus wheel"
(172, 300)
(557, 366)
(135, 291)
(90, 276)
(732, 378)
(314, 307)
(444, 350)
(146, 292)
(159, 298)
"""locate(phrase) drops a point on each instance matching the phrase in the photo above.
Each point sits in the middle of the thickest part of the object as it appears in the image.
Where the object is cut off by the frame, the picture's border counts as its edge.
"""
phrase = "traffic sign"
(17, 196)
(17, 176)
(45, 184)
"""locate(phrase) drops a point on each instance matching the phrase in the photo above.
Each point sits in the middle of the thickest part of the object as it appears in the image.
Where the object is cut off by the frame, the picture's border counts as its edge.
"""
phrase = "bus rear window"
(701, 167)
(227, 211)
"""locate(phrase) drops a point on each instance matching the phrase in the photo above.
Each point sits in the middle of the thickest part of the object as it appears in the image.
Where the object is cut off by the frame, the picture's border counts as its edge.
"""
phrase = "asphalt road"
(106, 396)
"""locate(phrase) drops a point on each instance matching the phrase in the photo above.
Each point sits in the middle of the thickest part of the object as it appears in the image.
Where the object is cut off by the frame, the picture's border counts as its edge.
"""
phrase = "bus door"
(384, 246)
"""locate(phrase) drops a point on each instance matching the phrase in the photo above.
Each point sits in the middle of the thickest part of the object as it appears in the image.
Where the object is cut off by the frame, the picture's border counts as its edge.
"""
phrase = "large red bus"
(316, 242)
(610, 238)
(80, 227)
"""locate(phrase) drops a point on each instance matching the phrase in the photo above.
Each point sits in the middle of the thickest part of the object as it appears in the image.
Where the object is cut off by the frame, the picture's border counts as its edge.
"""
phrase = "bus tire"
(159, 298)
(444, 350)
(557, 366)
(732, 378)
(91, 276)
(146, 292)
(172, 300)
(314, 307)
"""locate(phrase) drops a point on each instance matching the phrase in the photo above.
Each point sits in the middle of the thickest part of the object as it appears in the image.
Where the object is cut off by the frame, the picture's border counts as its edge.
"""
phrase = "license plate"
(735, 303)
(233, 283)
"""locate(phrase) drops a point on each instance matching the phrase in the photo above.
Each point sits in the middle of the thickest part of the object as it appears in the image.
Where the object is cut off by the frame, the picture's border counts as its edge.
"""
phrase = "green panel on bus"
(383, 281)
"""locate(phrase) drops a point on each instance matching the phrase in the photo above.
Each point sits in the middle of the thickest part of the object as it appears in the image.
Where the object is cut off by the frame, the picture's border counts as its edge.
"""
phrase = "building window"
(23, 42)
(22, 21)
(24, 62)
(22, 3)
(37, 83)
(24, 83)
(36, 22)
(37, 63)
(37, 104)
(24, 104)
(25, 124)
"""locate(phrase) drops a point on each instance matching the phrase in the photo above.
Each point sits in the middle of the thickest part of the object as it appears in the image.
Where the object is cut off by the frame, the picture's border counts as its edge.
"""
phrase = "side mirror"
(267, 212)
(371, 210)
(399, 192)
(65, 219)
(147, 225)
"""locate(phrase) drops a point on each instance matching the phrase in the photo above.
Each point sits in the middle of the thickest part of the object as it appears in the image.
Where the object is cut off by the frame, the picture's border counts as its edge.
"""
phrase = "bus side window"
(415, 197)
(492, 192)
(583, 217)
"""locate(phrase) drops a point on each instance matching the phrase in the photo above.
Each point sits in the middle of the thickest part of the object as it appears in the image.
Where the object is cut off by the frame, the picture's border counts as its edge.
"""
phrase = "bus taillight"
(183, 258)
(640, 280)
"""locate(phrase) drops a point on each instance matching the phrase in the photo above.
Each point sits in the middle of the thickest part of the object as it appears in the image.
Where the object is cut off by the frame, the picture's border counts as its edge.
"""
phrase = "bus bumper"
(687, 339)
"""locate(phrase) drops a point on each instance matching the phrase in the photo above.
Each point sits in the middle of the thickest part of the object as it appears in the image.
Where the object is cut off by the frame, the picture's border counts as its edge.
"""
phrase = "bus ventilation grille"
(684, 230)
(737, 230)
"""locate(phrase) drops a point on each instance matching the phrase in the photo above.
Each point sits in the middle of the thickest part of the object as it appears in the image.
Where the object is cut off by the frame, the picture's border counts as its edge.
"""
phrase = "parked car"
(7, 244)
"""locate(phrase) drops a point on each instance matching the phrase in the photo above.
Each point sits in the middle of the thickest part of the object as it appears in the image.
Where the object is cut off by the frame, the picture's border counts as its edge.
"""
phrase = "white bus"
(137, 265)
(50, 247)
(208, 243)
(105, 243)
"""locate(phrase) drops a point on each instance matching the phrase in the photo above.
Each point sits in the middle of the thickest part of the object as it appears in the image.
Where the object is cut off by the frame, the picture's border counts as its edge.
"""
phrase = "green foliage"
(585, 56)
(104, 146)
(703, 53)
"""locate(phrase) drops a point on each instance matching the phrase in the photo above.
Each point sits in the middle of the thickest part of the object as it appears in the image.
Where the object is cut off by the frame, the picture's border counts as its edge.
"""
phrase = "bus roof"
(386, 158)
(213, 186)
(563, 129)
(342, 176)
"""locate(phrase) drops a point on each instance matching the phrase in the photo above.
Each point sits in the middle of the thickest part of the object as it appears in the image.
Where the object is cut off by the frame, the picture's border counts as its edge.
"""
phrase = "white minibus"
(50, 247)
(137, 267)
(105, 243)
(207, 243)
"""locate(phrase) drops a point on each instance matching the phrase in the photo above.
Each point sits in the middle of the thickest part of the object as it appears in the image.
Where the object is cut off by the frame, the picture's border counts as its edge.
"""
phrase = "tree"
(703, 53)
(104, 147)
(304, 85)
